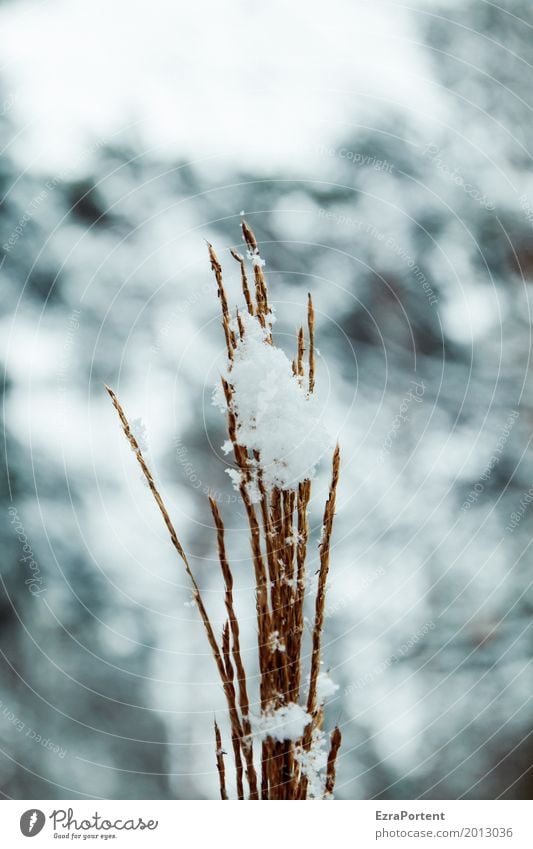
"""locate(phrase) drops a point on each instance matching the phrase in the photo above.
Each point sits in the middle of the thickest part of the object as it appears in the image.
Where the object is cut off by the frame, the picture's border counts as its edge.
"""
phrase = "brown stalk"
(311, 331)
(220, 763)
(300, 354)
(304, 495)
(268, 532)
(236, 730)
(276, 545)
(261, 291)
(221, 665)
(240, 325)
(286, 593)
(170, 527)
(336, 738)
(263, 612)
(327, 526)
(244, 701)
(325, 546)
(231, 342)
(244, 282)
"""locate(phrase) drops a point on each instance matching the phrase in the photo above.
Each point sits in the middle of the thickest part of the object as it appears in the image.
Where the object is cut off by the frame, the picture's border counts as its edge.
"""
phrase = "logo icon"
(32, 822)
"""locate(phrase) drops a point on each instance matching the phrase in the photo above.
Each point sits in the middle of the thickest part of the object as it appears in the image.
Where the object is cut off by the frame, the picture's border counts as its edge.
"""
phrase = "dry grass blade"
(325, 547)
(311, 331)
(336, 739)
(228, 332)
(236, 730)
(220, 763)
(244, 701)
(304, 495)
(244, 282)
(240, 325)
(173, 535)
(261, 291)
(300, 355)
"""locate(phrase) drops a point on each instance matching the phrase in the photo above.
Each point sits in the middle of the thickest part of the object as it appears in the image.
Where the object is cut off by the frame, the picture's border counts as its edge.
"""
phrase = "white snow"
(325, 687)
(139, 431)
(313, 763)
(274, 414)
(288, 722)
(275, 642)
(294, 539)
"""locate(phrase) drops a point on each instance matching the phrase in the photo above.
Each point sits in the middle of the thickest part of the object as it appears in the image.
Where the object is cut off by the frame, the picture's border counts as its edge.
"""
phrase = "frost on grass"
(275, 643)
(288, 722)
(313, 764)
(254, 256)
(275, 415)
(139, 430)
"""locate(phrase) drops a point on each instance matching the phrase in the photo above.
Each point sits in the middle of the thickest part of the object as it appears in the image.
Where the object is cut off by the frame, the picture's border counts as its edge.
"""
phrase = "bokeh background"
(383, 154)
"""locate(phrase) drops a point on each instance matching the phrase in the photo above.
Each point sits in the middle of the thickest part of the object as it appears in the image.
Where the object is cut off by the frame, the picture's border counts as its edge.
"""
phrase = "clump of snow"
(274, 414)
(288, 722)
(235, 477)
(313, 764)
(294, 539)
(325, 687)
(254, 255)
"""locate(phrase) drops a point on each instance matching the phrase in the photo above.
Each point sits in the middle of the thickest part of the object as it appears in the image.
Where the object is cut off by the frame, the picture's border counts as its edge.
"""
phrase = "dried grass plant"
(267, 767)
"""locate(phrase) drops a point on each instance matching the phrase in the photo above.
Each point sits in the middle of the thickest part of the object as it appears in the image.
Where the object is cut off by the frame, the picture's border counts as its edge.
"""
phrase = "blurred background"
(382, 154)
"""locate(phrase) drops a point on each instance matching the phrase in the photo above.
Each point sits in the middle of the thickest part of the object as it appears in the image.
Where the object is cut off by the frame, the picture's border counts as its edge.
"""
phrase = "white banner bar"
(342, 825)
